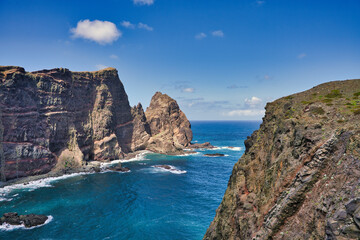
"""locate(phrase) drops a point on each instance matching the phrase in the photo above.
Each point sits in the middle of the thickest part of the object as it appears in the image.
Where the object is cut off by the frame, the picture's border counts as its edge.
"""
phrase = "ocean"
(145, 203)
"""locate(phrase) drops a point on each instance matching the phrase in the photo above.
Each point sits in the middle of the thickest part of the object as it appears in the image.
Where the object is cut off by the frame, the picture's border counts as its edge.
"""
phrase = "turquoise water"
(146, 203)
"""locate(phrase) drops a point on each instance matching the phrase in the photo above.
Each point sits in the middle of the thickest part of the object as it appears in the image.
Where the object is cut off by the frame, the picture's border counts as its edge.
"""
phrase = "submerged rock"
(118, 168)
(30, 220)
(214, 154)
(201, 145)
(167, 167)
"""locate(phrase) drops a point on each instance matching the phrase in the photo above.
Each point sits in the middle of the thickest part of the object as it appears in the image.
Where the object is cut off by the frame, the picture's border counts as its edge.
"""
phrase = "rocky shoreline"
(47, 126)
(95, 167)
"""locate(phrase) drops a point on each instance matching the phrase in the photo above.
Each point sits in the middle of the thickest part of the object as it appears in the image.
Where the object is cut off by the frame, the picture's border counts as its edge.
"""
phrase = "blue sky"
(218, 59)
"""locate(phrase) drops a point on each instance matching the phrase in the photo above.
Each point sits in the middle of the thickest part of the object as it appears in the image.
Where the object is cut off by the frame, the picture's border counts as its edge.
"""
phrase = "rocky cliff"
(56, 119)
(169, 127)
(299, 176)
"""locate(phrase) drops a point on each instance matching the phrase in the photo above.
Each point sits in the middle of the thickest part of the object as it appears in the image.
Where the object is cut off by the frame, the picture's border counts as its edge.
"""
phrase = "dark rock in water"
(96, 169)
(30, 220)
(33, 220)
(214, 154)
(11, 218)
(167, 167)
(201, 145)
(119, 168)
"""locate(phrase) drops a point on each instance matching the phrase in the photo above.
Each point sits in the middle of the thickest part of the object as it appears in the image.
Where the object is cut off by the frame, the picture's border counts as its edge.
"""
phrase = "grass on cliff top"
(338, 99)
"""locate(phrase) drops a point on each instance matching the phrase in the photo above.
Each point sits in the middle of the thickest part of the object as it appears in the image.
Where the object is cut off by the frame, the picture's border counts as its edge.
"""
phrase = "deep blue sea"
(146, 203)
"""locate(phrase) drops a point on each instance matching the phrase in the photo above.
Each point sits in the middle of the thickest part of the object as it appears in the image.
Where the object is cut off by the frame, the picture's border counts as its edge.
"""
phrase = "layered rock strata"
(58, 119)
(299, 177)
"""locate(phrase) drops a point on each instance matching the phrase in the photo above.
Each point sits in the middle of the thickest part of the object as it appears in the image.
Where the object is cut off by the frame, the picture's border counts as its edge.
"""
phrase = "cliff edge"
(57, 119)
(299, 176)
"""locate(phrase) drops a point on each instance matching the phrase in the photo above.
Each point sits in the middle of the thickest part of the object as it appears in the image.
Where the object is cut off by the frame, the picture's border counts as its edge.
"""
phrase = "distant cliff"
(299, 176)
(61, 119)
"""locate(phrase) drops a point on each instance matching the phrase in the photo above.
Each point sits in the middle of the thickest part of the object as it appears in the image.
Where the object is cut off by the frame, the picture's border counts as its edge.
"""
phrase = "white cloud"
(189, 90)
(253, 102)
(218, 33)
(102, 32)
(246, 112)
(200, 36)
(144, 26)
(127, 24)
(260, 3)
(100, 66)
(301, 55)
(113, 56)
(143, 2)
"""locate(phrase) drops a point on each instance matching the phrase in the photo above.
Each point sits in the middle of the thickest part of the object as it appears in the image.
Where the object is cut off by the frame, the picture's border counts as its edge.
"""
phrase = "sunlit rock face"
(170, 129)
(57, 119)
(56, 116)
(299, 176)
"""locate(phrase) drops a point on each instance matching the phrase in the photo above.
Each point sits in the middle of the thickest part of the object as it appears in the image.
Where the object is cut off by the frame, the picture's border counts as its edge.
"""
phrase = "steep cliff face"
(169, 127)
(141, 132)
(299, 177)
(58, 119)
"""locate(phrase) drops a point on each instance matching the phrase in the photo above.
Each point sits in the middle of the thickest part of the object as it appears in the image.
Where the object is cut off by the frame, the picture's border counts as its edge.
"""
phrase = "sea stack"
(170, 129)
(299, 176)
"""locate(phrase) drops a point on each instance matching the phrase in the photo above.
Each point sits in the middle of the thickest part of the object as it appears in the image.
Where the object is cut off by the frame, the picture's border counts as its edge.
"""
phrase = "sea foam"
(32, 185)
(172, 169)
(227, 148)
(139, 157)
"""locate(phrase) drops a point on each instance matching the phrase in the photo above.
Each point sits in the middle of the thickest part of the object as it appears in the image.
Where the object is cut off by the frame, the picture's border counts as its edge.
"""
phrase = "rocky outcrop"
(201, 145)
(118, 168)
(299, 176)
(29, 220)
(141, 130)
(57, 119)
(169, 127)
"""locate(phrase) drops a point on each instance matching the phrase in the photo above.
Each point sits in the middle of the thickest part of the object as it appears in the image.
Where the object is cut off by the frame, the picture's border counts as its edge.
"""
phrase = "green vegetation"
(327, 100)
(318, 110)
(334, 94)
(356, 111)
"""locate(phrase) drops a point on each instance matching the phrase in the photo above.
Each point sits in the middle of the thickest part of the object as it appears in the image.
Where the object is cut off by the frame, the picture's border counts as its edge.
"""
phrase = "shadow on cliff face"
(57, 116)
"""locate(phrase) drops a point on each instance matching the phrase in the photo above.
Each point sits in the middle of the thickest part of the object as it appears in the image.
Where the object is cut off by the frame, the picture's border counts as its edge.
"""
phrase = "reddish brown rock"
(57, 120)
(299, 176)
(141, 130)
(169, 127)
(60, 117)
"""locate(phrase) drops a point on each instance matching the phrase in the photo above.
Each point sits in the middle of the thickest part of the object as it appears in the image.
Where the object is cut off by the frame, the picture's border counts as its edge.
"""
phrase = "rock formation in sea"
(57, 119)
(299, 176)
(29, 220)
(169, 127)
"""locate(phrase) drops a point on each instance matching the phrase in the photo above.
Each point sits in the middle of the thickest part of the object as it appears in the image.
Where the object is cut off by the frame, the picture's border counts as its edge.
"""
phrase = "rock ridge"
(299, 177)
